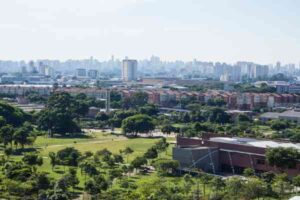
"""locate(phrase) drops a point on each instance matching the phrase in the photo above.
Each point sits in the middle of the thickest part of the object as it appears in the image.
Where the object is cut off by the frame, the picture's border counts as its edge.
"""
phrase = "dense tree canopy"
(68, 156)
(118, 116)
(24, 135)
(13, 115)
(218, 115)
(149, 109)
(165, 166)
(59, 115)
(282, 157)
(279, 125)
(138, 124)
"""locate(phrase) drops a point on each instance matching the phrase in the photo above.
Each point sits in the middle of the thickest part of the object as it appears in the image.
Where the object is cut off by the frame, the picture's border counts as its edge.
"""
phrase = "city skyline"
(227, 31)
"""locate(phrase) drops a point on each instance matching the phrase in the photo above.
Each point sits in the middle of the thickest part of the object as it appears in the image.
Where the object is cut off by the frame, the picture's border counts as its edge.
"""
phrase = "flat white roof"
(254, 142)
(26, 85)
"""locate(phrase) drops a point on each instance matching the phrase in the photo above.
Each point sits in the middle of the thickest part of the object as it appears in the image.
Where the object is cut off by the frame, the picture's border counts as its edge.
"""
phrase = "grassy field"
(43, 141)
(266, 130)
(93, 142)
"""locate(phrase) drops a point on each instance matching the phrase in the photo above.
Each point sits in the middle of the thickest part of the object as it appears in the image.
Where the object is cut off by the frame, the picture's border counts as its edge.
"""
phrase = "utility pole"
(107, 105)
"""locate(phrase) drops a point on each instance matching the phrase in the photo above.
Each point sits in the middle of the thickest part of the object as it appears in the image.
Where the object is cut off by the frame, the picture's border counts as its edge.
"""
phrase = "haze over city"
(149, 99)
(227, 31)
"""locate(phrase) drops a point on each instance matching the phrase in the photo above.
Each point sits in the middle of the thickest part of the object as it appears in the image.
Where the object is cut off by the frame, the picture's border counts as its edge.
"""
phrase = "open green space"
(93, 142)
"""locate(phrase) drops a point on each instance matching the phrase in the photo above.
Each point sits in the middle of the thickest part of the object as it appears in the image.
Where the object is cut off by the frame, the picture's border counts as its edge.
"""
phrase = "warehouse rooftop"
(254, 142)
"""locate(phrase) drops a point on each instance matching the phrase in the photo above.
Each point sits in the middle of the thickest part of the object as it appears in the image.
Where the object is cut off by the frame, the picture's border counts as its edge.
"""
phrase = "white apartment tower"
(260, 71)
(129, 70)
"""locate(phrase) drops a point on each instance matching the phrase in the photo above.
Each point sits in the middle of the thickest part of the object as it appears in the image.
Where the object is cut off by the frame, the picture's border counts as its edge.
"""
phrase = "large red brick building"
(226, 154)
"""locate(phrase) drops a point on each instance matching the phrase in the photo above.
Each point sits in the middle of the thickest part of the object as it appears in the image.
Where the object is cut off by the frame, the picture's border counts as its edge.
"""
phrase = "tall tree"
(166, 166)
(6, 134)
(296, 181)
(168, 129)
(24, 135)
(59, 115)
(151, 153)
(127, 151)
(282, 157)
(12, 115)
(68, 156)
(137, 124)
(281, 185)
(71, 178)
(138, 162)
(53, 159)
(162, 145)
(32, 159)
(254, 188)
(218, 115)
(217, 183)
(149, 109)
(233, 187)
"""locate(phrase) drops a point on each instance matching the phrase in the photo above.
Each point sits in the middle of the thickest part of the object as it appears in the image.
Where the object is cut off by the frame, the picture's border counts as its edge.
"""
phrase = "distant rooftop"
(277, 115)
(25, 85)
(254, 142)
(239, 111)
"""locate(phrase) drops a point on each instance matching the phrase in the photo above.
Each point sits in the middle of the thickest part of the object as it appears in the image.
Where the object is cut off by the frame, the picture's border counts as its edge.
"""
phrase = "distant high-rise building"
(129, 70)
(32, 68)
(291, 68)
(49, 71)
(236, 73)
(260, 71)
(80, 72)
(278, 67)
(246, 68)
(41, 68)
(23, 70)
(218, 69)
(93, 73)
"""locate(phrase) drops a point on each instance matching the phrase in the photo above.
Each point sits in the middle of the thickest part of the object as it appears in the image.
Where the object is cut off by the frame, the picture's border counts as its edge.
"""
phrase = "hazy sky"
(213, 30)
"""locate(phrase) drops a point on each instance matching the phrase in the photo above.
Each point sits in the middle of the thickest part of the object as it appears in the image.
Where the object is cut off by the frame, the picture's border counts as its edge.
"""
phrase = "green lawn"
(43, 141)
(266, 130)
(92, 142)
(98, 141)
(139, 145)
(95, 142)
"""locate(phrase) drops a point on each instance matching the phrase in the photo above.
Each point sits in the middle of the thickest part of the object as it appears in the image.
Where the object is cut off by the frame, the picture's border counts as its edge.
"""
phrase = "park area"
(59, 154)
(117, 181)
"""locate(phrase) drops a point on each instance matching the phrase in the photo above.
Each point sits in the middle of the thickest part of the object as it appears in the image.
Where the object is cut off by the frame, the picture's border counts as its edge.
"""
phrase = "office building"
(93, 73)
(129, 70)
(32, 68)
(41, 68)
(80, 72)
(260, 71)
(49, 71)
(23, 70)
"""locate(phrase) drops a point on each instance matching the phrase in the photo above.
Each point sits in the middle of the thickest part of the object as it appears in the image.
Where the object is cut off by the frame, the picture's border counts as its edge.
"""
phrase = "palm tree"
(127, 151)
(53, 160)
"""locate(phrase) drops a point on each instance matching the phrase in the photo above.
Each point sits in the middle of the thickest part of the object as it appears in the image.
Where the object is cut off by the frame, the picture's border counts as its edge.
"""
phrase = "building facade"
(80, 72)
(228, 155)
(129, 70)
